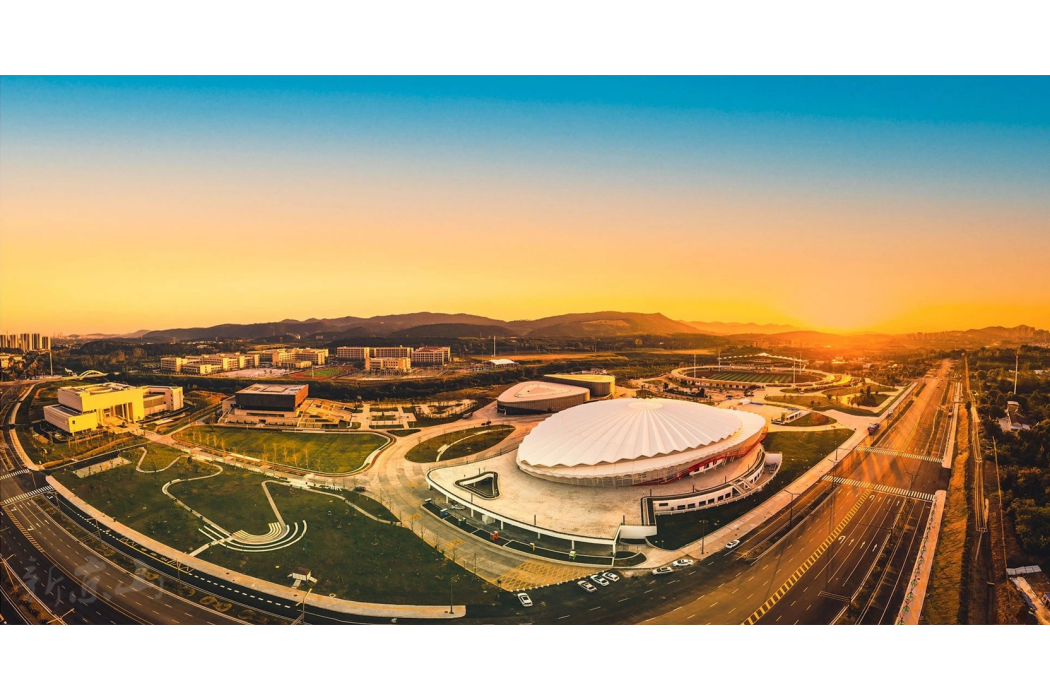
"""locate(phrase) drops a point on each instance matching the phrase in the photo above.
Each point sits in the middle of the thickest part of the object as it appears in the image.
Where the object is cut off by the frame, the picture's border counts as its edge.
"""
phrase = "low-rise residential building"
(388, 364)
(197, 367)
(7, 361)
(353, 353)
(431, 355)
(172, 365)
(394, 351)
(1014, 421)
(317, 356)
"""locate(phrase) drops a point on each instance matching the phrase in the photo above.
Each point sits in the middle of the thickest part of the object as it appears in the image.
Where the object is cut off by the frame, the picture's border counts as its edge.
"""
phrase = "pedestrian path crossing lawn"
(28, 494)
(893, 490)
(897, 453)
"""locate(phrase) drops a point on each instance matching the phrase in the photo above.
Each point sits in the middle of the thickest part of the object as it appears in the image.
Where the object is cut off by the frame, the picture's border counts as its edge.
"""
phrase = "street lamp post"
(703, 534)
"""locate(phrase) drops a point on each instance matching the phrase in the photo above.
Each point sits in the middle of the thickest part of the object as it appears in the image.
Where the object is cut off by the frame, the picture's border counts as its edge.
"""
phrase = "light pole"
(302, 616)
(704, 527)
(451, 580)
(791, 509)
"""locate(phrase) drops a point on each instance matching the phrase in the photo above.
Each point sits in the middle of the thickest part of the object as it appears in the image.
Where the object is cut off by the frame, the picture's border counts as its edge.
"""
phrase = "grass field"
(459, 443)
(319, 373)
(357, 558)
(329, 453)
(351, 555)
(801, 450)
(819, 402)
(135, 499)
(810, 420)
(944, 601)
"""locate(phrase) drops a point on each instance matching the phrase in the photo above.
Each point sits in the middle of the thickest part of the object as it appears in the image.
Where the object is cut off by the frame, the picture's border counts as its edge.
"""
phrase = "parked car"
(663, 570)
(526, 601)
(611, 576)
(360, 489)
(733, 545)
(680, 563)
(456, 506)
(587, 586)
(597, 578)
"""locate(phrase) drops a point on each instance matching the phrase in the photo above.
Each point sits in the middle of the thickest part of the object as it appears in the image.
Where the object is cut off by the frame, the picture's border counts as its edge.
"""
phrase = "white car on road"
(733, 545)
(611, 576)
(597, 578)
(526, 601)
(587, 586)
(681, 563)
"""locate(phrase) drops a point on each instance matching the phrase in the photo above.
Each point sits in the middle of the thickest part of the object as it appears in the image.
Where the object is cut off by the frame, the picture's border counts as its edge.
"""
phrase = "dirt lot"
(944, 595)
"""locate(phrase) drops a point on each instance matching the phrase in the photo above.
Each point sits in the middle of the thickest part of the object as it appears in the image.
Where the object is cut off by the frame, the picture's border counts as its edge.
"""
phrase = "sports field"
(751, 377)
(329, 453)
(319, 373)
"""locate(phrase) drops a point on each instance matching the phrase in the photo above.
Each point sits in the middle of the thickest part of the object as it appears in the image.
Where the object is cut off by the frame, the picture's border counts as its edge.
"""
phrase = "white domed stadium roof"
(530, 391)
(625, 429)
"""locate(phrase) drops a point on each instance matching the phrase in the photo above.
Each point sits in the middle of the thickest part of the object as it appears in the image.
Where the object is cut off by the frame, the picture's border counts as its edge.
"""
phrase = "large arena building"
(541, 397)
(628, 442)
(603, 472)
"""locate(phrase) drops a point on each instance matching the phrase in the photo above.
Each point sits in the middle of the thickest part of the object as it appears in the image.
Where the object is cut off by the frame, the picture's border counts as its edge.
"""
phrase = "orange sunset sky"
(879, 204)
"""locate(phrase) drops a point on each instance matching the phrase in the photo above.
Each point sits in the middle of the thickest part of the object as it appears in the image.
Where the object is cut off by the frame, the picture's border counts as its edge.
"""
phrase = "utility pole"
(1017, 359)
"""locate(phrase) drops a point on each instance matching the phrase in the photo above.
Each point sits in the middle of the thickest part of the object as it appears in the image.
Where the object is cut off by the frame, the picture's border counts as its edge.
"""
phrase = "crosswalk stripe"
(14, 473)
(918, 495)
(28, 494)
(896, 453)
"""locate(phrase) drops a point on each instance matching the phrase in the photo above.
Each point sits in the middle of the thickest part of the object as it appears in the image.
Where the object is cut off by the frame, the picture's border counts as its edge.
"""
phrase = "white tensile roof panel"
(625, 429)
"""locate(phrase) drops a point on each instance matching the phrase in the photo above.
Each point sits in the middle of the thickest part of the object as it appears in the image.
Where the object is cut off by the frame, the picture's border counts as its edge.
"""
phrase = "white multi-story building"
(396, 351)
(317, 356)
(172, 364)
(388, 364)
(353, 353)
(431, 355)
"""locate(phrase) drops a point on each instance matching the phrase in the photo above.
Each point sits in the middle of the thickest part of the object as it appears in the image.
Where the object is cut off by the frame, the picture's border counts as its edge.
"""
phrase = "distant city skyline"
(834, 204)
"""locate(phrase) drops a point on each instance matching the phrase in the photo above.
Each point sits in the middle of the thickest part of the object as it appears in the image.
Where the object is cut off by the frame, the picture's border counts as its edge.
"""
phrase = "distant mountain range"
(720, 328)
(438, 325)
(601, 324)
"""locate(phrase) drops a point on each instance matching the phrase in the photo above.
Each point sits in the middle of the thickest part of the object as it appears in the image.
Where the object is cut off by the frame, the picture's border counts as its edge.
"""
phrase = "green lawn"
(135, 499)
(357, 558)
(801, 450)
(233, 499)
(329, 453)
(319, 373)
(460, 443)
(819, 402)
(811, 420)
(353, 556)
